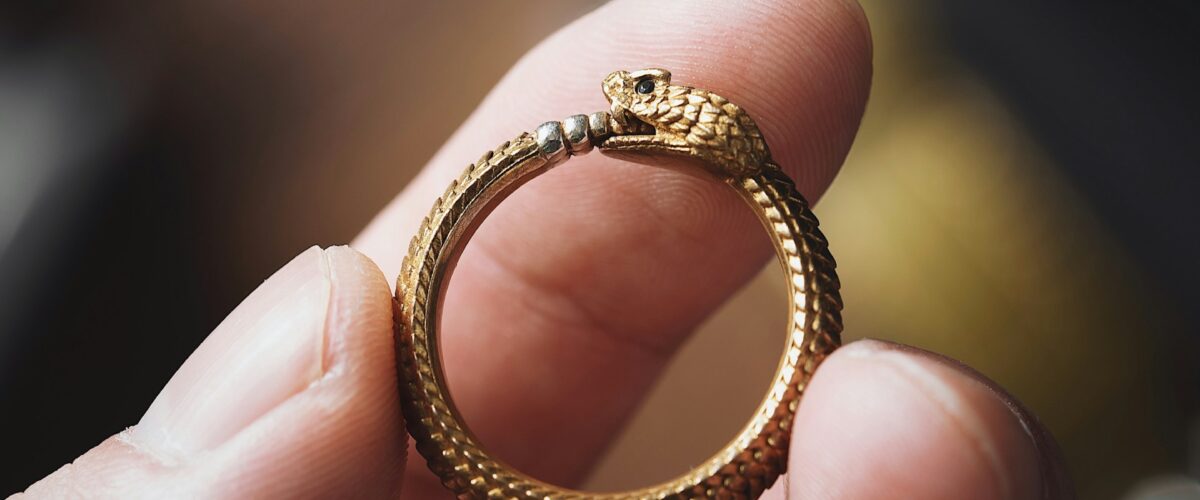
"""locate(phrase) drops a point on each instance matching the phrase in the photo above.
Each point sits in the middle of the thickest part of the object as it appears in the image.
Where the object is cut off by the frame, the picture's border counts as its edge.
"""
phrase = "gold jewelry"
(647, 116)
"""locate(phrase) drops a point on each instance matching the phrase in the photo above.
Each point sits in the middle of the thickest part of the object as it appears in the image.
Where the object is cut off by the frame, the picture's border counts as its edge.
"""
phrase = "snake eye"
(645, 86)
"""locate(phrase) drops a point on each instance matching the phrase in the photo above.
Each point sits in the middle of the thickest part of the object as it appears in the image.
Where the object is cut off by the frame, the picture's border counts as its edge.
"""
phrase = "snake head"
(648, 116)
(633, 98)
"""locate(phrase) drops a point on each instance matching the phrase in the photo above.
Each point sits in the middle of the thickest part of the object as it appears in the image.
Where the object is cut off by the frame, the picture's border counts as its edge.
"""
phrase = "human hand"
(295, 394)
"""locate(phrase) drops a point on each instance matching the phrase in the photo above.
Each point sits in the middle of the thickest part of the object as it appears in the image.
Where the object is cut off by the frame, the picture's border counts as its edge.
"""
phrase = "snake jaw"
(631, 132)
(625, 122)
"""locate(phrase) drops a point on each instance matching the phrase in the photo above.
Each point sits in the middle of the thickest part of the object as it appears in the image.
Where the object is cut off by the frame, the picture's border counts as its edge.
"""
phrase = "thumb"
(293, 395)
(883, 420)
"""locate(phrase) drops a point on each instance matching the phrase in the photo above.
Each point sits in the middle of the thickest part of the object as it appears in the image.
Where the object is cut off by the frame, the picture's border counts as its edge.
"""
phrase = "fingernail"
(268, 349)
(958, 392)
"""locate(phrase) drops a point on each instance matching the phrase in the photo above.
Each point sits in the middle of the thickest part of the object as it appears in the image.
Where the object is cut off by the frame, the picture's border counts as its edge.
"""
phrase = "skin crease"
(600, 305)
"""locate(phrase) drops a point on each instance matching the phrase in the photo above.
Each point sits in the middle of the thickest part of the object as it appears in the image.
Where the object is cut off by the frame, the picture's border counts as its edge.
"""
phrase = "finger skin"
(341, 436)
(572, 294)
(881, 420)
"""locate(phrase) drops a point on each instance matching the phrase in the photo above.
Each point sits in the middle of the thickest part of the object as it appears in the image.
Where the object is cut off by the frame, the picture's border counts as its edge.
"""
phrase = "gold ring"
(647, 116)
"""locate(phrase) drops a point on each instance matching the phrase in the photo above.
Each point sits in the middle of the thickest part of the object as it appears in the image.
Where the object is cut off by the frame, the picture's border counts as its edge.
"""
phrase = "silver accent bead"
(598, 127)
(550, 142)
(575, 130)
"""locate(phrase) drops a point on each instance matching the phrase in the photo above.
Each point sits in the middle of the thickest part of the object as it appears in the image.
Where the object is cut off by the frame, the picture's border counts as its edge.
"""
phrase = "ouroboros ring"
(648, 116)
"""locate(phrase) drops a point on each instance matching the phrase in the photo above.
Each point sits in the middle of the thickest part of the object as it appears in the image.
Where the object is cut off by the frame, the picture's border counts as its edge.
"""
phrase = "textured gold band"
(758, 455)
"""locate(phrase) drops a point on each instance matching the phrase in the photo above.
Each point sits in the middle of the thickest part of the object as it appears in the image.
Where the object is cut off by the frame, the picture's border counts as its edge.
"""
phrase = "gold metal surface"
(648, 116)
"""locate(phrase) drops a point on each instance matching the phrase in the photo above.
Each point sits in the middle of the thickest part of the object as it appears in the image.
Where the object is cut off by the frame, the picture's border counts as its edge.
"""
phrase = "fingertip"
(294, 395)
(344, 434)
(884, 420)
(264, 352)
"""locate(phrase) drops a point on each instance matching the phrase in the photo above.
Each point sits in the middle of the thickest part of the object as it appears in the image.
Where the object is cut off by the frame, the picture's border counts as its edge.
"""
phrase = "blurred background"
(1022, 196)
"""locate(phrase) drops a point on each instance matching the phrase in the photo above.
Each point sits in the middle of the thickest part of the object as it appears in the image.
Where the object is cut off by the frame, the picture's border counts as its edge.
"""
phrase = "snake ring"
(648, 116)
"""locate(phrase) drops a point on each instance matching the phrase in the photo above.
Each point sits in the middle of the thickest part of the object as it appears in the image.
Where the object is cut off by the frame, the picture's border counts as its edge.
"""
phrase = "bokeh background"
(1022, 196)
